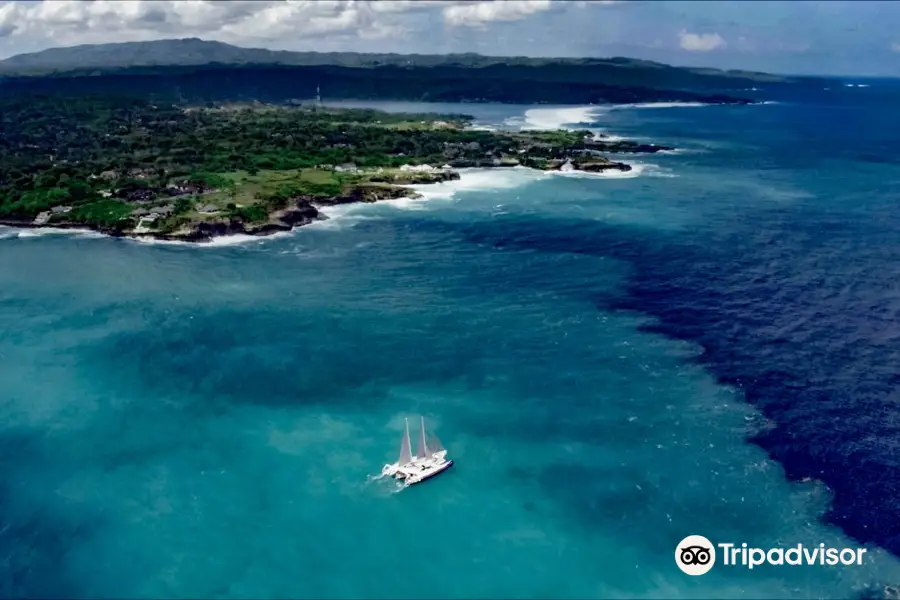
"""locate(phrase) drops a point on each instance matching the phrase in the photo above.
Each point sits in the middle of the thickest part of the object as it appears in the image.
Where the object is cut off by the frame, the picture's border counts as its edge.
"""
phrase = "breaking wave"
(558, 118)
(25, 233)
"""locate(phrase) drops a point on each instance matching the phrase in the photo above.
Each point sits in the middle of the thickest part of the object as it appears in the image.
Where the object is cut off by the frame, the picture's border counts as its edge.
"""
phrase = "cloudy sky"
(855, 37)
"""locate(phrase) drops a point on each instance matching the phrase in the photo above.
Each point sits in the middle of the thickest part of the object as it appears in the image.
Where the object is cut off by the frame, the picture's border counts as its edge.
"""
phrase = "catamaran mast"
(405, 448)
(422, 452)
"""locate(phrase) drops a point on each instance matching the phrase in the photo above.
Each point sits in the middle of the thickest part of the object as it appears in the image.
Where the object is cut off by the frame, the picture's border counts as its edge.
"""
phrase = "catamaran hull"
(431, 473)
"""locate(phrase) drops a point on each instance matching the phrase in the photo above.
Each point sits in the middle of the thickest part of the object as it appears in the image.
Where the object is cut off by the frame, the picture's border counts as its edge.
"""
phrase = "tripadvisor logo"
(696, 555)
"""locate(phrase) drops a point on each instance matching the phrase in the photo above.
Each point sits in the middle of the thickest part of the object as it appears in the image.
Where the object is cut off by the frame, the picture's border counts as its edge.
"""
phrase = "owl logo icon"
(695, 555)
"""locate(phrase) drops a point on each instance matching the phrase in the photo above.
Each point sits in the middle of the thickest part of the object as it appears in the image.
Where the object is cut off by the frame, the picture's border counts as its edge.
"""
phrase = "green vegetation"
(267, 191)
(113, 160)
(34, 200)
(104, 212)
(74, 151)
(550, 83)
(252, 214)
(58, 151)
(213, 180)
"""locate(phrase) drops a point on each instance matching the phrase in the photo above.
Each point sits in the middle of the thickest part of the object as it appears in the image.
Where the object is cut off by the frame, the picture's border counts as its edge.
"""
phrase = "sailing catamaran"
(430, 459)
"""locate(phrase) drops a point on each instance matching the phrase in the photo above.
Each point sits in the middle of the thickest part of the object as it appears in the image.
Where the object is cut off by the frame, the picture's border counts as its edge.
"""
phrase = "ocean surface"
(706, 345)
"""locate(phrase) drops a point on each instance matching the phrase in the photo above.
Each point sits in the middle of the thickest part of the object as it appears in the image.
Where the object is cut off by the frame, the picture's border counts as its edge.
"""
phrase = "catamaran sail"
(434, 444)
(405, 452)
(422, 450)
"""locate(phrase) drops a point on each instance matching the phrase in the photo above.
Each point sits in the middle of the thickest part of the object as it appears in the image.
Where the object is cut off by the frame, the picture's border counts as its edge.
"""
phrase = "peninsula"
(189, 139)
(131, 167)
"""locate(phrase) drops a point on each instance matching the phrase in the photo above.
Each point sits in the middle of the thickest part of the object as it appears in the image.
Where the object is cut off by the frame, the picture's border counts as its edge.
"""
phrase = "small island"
(129, 167)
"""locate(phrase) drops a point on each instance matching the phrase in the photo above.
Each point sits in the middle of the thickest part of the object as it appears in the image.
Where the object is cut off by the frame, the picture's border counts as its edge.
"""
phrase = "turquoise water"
(202, 422)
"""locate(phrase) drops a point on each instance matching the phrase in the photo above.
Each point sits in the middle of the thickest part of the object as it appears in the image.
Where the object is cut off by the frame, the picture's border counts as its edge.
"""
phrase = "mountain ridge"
(198, 52)
(191, 71)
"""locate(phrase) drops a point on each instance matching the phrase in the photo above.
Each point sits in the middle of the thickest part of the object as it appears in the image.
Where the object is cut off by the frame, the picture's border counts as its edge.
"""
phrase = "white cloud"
(700, 42)
(478, 13)
(270, 22)
(585, 3)
(895, 47)
(308, 18)
(65, 22)
(8, 16)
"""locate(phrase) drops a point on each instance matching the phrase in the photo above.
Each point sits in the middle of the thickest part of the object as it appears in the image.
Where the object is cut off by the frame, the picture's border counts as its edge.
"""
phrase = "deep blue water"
(706, 346)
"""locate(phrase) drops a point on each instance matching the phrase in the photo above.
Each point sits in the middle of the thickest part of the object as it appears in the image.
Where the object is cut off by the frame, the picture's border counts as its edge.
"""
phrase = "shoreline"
(300, 212)
(280, 177)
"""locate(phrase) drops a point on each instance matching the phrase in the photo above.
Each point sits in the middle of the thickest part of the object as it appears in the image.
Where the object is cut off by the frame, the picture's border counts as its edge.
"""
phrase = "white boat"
(430, 459)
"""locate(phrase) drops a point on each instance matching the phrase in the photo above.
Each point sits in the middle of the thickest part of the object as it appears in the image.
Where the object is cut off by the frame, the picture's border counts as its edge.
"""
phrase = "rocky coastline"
(303, 210)
(193, 174)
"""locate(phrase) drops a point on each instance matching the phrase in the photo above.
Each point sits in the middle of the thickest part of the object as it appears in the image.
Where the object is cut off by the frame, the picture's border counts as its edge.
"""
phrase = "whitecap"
(601, 136)
(505, 178)
(479, 179)
(340, 216)
(237, 239)
(560, 117)
(25, 233)
(682, 151)
(571, 118)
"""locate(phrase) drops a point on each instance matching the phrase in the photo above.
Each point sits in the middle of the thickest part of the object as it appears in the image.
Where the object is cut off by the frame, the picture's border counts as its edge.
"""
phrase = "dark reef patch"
(801, 312)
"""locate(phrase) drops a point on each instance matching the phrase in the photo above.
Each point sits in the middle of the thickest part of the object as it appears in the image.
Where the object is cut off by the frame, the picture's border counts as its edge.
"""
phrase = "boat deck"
(414, 469)
(424, 468)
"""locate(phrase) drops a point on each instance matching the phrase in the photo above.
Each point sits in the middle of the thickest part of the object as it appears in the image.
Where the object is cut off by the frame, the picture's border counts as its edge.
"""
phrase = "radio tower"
(318, 98)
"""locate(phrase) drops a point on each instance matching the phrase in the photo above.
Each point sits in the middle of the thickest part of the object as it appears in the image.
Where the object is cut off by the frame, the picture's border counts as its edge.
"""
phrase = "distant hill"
(189, 51)
(191, 70)
(194, 52)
